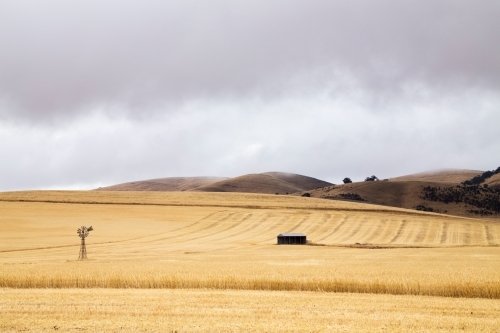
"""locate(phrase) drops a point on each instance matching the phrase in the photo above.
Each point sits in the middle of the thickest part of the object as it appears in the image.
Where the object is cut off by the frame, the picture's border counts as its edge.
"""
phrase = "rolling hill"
(445, 175)
(404, 194)
(266, 183)
(493, 180)
(163, 184)
(440, 192)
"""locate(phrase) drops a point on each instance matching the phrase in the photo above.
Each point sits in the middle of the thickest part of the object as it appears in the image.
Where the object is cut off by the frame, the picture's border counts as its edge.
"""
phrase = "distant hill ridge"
(269, 183)
(429, 191)
(440, 191)
(266, 183)
(482, 178)
(445, 175)
(171, 184)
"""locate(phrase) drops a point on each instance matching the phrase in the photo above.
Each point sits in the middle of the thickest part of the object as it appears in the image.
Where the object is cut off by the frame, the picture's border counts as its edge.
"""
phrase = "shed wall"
(292, 240)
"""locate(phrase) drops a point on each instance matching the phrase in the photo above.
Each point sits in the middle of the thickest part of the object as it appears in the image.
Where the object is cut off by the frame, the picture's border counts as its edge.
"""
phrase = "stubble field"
(189, 261)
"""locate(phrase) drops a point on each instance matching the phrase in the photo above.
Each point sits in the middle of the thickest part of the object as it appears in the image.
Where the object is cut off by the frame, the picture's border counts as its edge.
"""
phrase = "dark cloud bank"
(92, 94)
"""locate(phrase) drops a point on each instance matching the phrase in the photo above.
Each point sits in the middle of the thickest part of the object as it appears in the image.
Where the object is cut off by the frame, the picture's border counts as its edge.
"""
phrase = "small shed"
(292, 238)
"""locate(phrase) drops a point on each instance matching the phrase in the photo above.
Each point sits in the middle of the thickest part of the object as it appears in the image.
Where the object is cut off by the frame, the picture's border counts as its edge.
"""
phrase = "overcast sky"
(94, 93)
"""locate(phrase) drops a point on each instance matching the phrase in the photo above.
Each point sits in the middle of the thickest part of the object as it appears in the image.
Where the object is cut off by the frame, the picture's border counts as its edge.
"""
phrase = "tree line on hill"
(345, 196)
(424, 208)
(481, 178)
(351, 196)
(485, 200)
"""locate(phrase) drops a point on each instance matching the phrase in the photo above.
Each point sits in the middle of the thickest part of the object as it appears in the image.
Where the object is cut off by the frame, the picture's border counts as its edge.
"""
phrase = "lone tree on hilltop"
(347, 180)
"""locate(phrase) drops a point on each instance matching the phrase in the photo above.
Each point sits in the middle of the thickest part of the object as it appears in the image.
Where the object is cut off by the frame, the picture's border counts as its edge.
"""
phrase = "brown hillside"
(448, 176)
(269, 183)
(404, 194)
(493, 180)
(164, 184)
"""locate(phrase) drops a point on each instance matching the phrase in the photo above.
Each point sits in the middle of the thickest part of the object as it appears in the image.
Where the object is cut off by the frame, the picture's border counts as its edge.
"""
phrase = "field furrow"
(288, 224)
(467, 231)
(227, 223)
(409, 233)
(477, 234)
(433, 236)
(248, 224)
(492, 234)
(349, 228)
(376, 231)
(399, 232)
(340, 220)
(455, 236)
(367, 230)
(324, 227)
(444, 232)
(422, 232)
(211, 225)
(267, 232)
(198, 226)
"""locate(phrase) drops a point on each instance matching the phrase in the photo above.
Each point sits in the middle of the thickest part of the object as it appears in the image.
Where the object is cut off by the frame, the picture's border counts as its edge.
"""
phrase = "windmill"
(83, 232)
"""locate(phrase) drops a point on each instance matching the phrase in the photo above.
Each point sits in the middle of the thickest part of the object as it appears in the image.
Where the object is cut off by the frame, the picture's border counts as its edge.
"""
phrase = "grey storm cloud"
(62, 57)
(98, 92)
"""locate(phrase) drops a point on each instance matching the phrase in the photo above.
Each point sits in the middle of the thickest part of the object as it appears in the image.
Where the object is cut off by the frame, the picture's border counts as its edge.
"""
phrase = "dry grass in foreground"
(132, 310)
(449, 272)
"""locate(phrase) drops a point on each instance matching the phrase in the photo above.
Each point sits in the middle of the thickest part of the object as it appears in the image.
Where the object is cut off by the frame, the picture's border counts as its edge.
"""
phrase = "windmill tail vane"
(83, 233)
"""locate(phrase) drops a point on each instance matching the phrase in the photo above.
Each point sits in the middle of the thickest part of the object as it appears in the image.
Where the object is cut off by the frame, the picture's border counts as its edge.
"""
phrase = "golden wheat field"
(206, 310)
(208, 262)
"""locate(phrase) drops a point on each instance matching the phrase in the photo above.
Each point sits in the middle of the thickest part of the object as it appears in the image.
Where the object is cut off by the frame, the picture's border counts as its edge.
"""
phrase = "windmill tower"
(83, 232)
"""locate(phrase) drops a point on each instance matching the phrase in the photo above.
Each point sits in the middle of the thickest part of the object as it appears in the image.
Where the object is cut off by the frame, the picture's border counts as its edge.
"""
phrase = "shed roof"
(291, 235)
